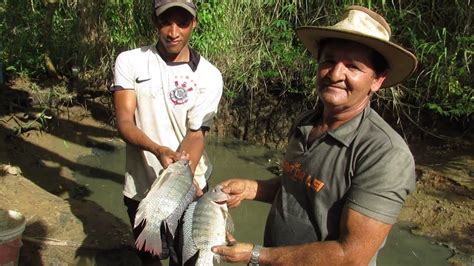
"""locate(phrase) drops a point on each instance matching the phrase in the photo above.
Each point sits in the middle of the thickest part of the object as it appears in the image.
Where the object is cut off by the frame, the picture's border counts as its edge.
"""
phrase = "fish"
(205, 224)
(165, 203)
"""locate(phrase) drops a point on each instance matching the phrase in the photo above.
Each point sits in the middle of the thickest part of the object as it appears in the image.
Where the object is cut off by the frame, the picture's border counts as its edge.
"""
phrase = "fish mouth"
(220, 202)
(219, 197)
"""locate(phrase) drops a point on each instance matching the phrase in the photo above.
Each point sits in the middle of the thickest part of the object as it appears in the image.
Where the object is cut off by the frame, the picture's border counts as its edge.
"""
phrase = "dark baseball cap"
(163, 5)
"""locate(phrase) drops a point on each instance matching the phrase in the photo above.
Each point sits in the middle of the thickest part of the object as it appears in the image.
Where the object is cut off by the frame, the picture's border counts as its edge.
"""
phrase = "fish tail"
(141, 214)
(149, 240)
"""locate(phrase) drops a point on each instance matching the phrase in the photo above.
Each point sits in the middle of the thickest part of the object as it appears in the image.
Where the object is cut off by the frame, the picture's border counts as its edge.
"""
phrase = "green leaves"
(252, 42)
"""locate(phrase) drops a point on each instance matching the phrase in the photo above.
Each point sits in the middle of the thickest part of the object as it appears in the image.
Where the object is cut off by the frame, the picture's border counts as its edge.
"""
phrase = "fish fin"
(229, 223)
(165, 175)
(161, 194)
(138, 222)
(206, 257)
(163, 199)
(161, 179)
(140, 215)
(217, 258)
(149, 240)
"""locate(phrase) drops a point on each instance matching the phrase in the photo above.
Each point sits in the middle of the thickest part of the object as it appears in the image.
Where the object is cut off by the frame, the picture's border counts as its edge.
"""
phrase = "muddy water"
(237, 159)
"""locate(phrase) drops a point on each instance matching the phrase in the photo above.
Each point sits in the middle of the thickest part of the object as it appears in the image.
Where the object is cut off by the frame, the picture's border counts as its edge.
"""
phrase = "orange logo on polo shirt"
(294, 171)
(179, 95)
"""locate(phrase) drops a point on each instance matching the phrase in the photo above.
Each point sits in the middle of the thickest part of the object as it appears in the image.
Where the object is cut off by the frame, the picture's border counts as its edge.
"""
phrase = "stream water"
(232, 158)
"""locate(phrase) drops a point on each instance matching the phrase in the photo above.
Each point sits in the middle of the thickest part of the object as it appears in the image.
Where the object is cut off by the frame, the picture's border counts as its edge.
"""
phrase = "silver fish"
(205, 224)
(165, 203)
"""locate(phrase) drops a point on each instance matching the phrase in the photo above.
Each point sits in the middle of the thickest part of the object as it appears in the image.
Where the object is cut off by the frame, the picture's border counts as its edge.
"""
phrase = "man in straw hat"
(346, 172)
(165, 97)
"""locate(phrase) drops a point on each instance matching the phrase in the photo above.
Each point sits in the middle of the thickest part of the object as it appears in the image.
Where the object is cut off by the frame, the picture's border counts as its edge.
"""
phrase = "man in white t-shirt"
(165, 98)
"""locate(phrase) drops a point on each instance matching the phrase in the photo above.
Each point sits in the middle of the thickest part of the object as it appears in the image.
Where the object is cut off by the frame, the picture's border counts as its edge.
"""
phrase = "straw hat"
(364, 26)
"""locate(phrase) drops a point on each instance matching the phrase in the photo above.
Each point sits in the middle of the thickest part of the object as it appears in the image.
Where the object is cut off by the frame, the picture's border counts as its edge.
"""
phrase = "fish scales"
(166, 201)
(208, 224)
(173, 220)
(189, 248)
(205, 225)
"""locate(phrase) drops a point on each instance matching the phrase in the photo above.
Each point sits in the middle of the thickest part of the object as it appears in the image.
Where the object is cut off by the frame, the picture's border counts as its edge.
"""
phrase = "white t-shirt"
(170, 100)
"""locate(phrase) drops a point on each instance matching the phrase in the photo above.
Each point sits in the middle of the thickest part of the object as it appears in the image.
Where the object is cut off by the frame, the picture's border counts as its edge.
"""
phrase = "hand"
(238, 252)
(238, 190)
(167, 156)
(199, 192)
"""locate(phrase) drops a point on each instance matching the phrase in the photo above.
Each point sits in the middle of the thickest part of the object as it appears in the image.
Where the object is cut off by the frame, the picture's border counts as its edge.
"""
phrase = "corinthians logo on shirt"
(179, 95)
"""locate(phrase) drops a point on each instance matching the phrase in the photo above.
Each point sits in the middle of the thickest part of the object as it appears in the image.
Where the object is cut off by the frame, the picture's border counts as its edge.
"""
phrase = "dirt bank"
(59, 226)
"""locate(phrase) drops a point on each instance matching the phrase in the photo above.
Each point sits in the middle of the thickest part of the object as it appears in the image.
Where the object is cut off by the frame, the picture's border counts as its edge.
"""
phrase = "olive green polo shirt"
(363, 164)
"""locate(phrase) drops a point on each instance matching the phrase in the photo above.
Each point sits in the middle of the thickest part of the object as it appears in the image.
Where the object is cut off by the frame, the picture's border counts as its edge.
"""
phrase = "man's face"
(175, 27)
(346, 76)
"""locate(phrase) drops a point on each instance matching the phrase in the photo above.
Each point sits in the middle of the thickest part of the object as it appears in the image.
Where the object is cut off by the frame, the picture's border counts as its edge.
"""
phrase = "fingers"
(233, 186)
(230, 239)
(225, 252)
(166, 162)
(183, 156)
(199, 191)
(219, 250)
(236, 188)
(234, 202)
(178, 155)
(238, 252)
(167, 156)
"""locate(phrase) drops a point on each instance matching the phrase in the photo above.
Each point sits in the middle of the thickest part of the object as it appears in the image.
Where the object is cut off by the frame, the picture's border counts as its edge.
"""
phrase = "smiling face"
(175, 27)
(346, 76)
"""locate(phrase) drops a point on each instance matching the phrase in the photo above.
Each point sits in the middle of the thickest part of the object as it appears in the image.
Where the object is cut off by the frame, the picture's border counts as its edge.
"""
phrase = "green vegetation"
(251, 41)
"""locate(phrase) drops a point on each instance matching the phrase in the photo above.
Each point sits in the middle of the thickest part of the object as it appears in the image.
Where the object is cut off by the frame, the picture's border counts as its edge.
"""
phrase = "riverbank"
(45, 191)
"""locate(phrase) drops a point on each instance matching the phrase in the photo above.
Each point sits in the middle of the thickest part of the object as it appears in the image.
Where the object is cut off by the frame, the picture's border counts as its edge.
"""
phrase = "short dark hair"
(378, 61)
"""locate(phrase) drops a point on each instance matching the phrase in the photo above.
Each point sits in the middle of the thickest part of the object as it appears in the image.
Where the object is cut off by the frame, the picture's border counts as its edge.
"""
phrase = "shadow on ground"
(50, 164)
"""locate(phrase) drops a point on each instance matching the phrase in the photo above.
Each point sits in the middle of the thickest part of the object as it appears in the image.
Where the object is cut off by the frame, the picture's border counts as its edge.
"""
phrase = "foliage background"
(252, 42)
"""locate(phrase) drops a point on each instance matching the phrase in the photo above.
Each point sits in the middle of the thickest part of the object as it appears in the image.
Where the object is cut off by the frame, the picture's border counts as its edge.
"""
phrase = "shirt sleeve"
(383, 179)
(207, 102)
(123, 73)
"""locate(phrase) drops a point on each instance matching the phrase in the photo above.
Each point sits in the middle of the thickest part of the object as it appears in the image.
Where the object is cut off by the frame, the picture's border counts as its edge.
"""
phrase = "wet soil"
(64, 228)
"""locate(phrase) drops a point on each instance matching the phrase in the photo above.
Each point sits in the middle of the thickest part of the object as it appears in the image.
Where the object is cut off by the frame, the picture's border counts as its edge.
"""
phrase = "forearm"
(360, 239)
(321, 253)
(193, 144)
(125, 106)
(131, 134)
(316, 253)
